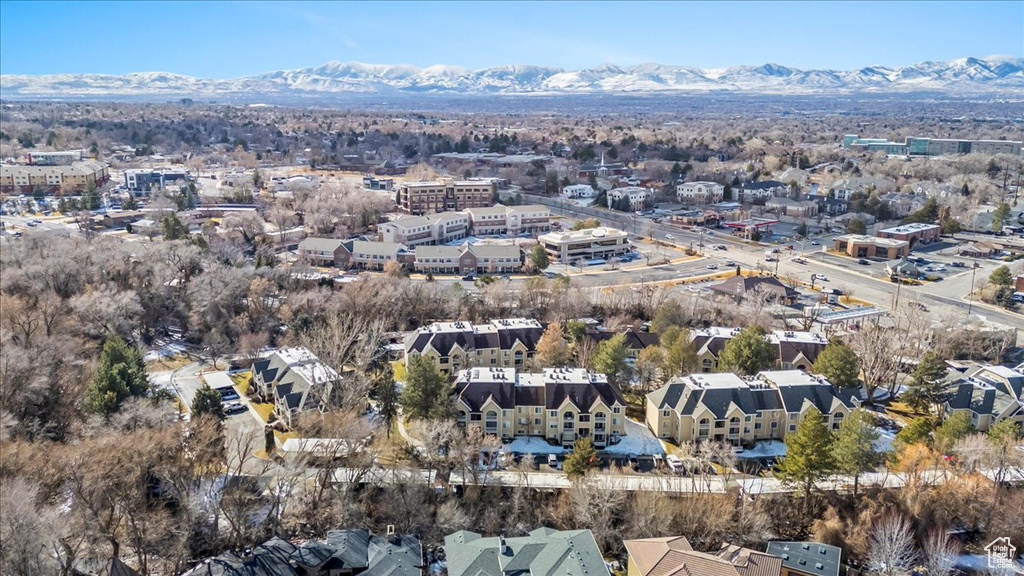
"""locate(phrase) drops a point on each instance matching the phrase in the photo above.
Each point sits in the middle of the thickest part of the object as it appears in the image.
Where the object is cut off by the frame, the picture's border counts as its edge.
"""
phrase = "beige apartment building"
(794, 350)
(453, 346)
(725, 407)
(499, 219)
(445, 195)
(582, 245)
(557, 404)
(988, 393)
(76, 176)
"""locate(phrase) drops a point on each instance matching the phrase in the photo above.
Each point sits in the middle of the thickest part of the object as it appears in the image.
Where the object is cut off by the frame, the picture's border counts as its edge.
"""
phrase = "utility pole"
(970, 301)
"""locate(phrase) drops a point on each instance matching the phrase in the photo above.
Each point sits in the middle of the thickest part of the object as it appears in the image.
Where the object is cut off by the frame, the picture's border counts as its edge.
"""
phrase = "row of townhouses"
(989, 394)
(363, 255)
(557, 404)
(726, 407)
(446, 227)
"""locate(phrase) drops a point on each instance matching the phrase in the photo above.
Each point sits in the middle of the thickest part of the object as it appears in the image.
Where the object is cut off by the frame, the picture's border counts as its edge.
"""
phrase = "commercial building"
(513, 220)
(726, 407)
(145, 180)
(988, 393)
(63, 158)
(916, 233)
(428, 230)
(478, 258)
(557, 404)
(323, 251)
(542, 552)
(636, 197)
(296, 381)
(861, 246)
(453, 346)
(579, 191)
(700, 192)
(372, 183)
(931, 146)
(445, 195)
(674, 555)
(767, 287)
(582, 245)
(76, 176)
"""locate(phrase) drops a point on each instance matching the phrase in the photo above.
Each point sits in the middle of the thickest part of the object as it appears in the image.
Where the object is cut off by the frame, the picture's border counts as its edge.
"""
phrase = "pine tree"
(427, 393)
(539, 258)
(387, 396)
(927, 387)
(207, 401)
(747, 353)
(919, 431)
(610, 359)
(954, 428)
(582, 459)
(121, 373)
(808, 455)
(839, 364)
(853, 449)
(681, 358)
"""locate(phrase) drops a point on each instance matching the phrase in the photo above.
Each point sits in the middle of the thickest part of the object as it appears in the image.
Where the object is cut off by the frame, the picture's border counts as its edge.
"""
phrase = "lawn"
(398, 367)
(242, 380)
(264, 410)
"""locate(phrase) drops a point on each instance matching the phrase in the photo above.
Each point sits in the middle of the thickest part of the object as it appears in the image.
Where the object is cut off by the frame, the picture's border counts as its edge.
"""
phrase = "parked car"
(820, 277)
(469, 277)
(863, 261)
(659, 462)
(234, 408)
(675, 463)
(815, 243)
(634, 462)
(958, 265)
(227, 393)
(553, 462)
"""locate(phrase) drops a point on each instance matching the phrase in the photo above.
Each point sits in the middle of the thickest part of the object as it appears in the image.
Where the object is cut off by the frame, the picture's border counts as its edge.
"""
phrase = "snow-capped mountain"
(992, 75)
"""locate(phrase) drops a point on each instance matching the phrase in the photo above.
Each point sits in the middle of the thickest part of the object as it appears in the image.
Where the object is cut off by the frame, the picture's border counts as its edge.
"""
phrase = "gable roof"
(674, 556)
(742, 285)
(543, 552)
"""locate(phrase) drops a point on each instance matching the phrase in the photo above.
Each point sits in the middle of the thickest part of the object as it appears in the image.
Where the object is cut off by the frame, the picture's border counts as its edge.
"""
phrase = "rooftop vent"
(819, 566)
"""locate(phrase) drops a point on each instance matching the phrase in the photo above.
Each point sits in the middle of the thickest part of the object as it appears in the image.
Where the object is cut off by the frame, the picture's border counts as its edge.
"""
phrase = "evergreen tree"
(582, 459)
(172, 228)
(427, 392)
(1001, 276)
(919, 431)
(856, 226)
(207, 401)
(1000, 216)
(670, 313)
(681, 358)
(927, 387)
(839, 364)
(954, 428)
(121, 373)
(808, 455)
(853, 449)
(1003, 432)
(387, 396)
(539, 258)
(747, 353)
(610, 359)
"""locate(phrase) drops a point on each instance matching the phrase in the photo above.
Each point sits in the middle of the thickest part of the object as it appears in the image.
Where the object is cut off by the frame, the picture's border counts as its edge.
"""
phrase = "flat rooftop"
(910, 228)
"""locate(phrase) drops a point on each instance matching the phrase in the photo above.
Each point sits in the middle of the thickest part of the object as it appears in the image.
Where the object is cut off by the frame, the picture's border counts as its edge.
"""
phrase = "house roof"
(763, 185)
(674, 556)
(742, 285)
(543, 552)
(320, 244)
(504, 333)
(550, 388)
(808, 557)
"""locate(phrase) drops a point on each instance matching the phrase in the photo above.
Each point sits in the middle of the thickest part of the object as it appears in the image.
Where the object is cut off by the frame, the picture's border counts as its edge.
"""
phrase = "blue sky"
(223, 40)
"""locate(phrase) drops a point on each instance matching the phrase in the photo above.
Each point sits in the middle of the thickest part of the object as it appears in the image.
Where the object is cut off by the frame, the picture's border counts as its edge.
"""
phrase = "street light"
(970, 301)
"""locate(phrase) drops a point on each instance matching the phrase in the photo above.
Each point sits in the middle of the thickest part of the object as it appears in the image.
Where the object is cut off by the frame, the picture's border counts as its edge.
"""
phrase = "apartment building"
(431, 229)
(500, 220)
(988, 393)
(480, 259)
(582, 245)
(76, 176)
(296, 381)
(794, 350)
(761, 191)
(373, 255)
(558, 404)
(726, 407)
(322, 251)
(635, 196)
(453, 346)
(146, 179)
(543, 551)
(445, 195)
(579, 191)
(700, 192)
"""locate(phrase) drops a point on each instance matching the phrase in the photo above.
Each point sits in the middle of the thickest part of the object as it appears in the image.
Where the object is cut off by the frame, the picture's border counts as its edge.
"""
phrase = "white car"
(712, 266)
(553, 462)
(820, 277)
(675, 463)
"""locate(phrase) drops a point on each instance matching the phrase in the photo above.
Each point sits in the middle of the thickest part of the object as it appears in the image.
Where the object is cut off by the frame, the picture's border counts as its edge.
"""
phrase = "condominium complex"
(456, 345)
(557, 404)
(726, 407)
(931, 146)
(793, 349)
(635, 196)
(582, 245)
(989, 394)
(445, 195)
(353, 253)
(76, 176)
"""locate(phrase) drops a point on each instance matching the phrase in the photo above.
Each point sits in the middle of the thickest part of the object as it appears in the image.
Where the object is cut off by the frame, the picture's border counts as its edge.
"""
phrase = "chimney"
(503, 547)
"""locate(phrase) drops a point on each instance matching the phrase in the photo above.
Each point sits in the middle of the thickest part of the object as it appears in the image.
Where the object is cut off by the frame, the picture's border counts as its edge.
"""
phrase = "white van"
(675, 464)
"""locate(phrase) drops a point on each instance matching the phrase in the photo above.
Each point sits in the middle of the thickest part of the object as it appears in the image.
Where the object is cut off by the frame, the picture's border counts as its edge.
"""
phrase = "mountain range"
(993, 75)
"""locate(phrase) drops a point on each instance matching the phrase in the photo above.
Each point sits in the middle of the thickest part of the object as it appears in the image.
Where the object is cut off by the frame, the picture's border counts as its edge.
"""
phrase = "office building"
(445, 195)
(583, 245)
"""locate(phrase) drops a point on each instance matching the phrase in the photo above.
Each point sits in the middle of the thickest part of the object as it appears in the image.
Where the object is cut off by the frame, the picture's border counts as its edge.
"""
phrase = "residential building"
(635, 196)
(726, 407)
(478, 258)
(579, 191)
(902, 268)
(323, 251)
(807, 558)
(141, 180)
(750, 192)
(557, 404)
(674, 555)
(440, 228)
(861, 246)
(636, 340)
(296, 381)
(445, 195)
(343, 553)
(916, 233)
(988, 393)
(543, 551)
(453, 346)
(365, 255)
(768, 287)
(583, 245)
(115, 219)
(931, 146)
(700, 192)
(794, 350)
(76, 176)
(61, 158)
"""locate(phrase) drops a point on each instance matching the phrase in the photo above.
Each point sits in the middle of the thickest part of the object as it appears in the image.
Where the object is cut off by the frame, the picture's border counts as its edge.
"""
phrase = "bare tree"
(891, 547)
(940, 553)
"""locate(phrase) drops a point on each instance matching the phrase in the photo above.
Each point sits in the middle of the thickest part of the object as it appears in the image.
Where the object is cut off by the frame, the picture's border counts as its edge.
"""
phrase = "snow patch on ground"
(764, 449)
(160, 380)
(979, 563)
(638, 440)
(885, 439)
(532, 445)
(165, 351)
